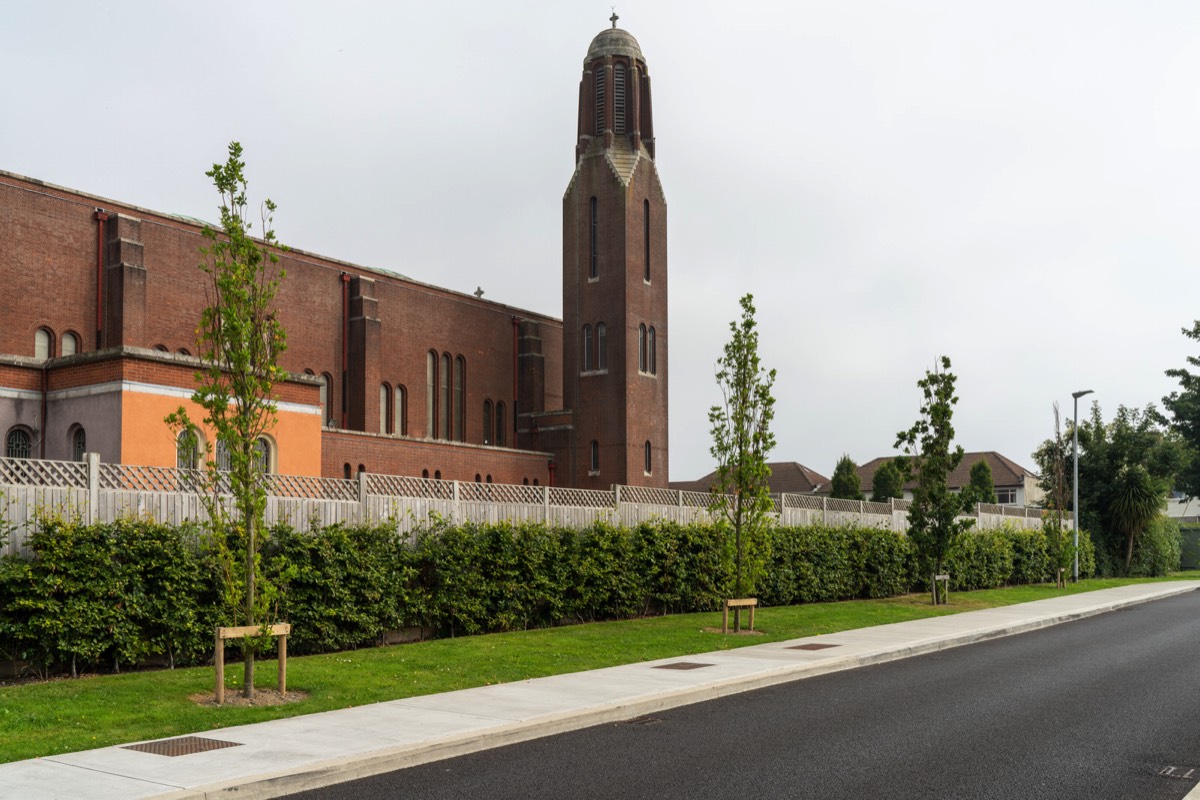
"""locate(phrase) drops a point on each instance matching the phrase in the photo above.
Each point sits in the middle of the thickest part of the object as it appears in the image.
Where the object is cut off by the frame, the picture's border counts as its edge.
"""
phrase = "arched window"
(385, 407)
(641, 348)
(183, 351)
(599, 73)
(489, 478)
(652, 349)
(431, 360)
(447, 431)
(425, 474)
(478, 479)
(648, 467)
(437, 475)
(618, 98)
(587, 348)
(535, 482)
(43, 344)
(594, 460)
(460, 395)
(646, 240)
(187, 449)
(70, 344)
(594, 240)
(18, 444)
(500, 424)
(326, 410)
(78, 442)
(601, 346)
(487, 421)
(525, 481)
(346, 471)
(400, 415)
(162, 348)
(264, 455)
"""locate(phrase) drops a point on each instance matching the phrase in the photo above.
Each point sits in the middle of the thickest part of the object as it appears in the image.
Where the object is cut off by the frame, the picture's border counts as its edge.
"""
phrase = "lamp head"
(1081, 393)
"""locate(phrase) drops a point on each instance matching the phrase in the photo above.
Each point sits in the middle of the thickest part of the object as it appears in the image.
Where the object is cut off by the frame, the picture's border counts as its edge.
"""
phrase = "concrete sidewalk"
(272, 759)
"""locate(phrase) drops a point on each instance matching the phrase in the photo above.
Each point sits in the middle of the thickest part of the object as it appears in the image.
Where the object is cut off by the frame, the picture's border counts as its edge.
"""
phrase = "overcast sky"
(1013, 184)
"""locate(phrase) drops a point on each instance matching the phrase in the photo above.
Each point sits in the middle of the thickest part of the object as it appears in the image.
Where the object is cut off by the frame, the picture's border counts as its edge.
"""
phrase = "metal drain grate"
(813, 646)
(182, 746)
(645, 720)
(682, 665)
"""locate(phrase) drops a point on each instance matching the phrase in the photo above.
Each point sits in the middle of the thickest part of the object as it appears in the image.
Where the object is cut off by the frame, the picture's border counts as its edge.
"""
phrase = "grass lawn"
(66, 715)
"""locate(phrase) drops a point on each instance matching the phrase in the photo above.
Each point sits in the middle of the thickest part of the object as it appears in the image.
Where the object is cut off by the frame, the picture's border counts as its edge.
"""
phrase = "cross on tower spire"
(614, 17)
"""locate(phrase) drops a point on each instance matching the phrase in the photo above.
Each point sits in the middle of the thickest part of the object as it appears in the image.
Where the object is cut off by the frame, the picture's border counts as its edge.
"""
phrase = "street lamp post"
(1075, 481)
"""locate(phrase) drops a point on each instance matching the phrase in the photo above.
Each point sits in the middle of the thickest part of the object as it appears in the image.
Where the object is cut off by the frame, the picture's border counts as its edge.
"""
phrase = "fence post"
(824, 510)
(93, 485)
(456, 506)
(546, 505)
(362, 497)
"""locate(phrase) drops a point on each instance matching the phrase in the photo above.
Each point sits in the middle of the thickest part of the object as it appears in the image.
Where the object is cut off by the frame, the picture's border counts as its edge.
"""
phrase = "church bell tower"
(615, 278)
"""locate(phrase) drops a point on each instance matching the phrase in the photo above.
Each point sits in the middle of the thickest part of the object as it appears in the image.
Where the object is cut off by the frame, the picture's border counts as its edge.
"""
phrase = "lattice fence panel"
(877, 508)
(649, 496)
(39, 472)
(808, 501)
(311, 487)
(401, 486)
(852, 506)
(990, 508)
(580, 498)
(694, 499)
(151, 479)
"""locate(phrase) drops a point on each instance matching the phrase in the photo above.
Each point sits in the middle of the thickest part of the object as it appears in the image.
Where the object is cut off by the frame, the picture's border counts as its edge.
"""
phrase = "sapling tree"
(742, 438)
(933, 524)
(239, 341)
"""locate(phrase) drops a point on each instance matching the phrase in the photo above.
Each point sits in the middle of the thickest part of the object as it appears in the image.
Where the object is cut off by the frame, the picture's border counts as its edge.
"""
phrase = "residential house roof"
(1005, 472)
(786, 476)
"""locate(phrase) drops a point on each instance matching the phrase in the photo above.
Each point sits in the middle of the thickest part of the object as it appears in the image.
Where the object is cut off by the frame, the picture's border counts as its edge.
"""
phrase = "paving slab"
(279, 757)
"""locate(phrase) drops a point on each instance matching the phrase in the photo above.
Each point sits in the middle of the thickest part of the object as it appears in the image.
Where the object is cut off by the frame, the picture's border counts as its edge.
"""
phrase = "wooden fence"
(96, 492)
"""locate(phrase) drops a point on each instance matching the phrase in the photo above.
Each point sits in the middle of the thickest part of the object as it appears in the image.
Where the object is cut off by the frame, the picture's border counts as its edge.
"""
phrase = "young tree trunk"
(248, 649)
(1129, 552)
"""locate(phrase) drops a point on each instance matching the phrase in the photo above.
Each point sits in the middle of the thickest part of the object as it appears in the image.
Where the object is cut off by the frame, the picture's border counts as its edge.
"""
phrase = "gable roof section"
(1005, 471)
(786, 476)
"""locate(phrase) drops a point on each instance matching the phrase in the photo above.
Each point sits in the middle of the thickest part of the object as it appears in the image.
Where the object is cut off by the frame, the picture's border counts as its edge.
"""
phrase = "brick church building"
(387, 374)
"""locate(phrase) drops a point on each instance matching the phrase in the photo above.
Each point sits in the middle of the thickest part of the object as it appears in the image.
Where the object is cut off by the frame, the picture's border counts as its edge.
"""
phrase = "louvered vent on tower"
(600, 101)
(619, 98)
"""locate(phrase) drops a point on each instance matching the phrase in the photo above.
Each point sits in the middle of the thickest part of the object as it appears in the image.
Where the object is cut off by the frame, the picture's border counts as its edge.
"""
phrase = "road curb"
(334, 771)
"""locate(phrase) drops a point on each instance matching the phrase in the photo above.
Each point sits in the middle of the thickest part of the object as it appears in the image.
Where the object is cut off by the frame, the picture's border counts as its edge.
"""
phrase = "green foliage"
(888, 483)
(981, 560)
(820, 563)
(980, 488)
(1184, 407)
(1137, 499)
(932, 523)
(845, 483)
(742, 438)
(1158, 550)
(239, 340)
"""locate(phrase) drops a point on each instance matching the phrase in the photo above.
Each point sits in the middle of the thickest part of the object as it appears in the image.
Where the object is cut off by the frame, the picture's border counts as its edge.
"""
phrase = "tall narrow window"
(460, 395)
(78, 444)
(487, 421)
(649, 464)
(326, 408)
(646, 240)
(618, 98)
(652, 352)
(641, 348)
(43, 342)
(18, 444)
(587, 348)
(262, 455)
(500, 424)
(594, 239)
(70, 344)
(601, 346)
(187, 449)
(594, 462)
(385, 406)
(431, 395)
(599, 72)
(446, 426)
(224, 459)
(400, 417)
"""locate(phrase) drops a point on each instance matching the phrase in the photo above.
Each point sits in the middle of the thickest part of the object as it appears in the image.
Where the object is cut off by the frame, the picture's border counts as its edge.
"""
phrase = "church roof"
(613, 42)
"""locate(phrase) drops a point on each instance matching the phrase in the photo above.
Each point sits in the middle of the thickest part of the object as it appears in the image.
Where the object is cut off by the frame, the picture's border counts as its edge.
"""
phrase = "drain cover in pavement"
(813, 646)
(182, 746)
(682, 665)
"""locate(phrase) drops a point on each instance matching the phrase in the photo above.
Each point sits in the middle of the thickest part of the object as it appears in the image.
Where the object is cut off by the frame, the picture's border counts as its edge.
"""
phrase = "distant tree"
(742, 438)
(239, 339)
(1059, 541)
(1137, 500)
(980, 488)
(845, 484)
(933, 526)
(1134, 437)
(888, 482)
(1184, 407)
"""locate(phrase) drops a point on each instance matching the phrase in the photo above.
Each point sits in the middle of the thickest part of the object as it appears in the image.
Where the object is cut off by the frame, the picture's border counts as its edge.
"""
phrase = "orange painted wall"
(146, 439)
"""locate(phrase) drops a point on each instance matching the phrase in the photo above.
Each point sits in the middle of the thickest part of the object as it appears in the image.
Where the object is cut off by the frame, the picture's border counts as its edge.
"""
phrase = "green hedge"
(132, 591)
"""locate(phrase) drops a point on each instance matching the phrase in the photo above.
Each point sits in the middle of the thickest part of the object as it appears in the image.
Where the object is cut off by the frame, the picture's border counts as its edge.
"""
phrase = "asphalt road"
(1107, 707)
